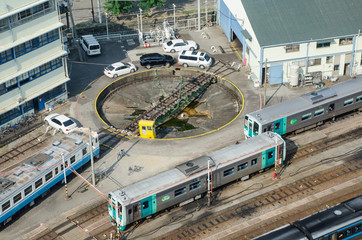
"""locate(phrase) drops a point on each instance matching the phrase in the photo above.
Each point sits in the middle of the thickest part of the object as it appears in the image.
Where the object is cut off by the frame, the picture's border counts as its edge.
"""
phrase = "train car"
(306, 111)
(33, 176)
(189, 181)
(343, 221)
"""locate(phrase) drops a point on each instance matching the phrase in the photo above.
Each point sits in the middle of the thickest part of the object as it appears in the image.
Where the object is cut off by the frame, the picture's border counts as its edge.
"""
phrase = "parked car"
(179, 45)
(118, 69)
(194, 59)
(61, 122)
(156, 59)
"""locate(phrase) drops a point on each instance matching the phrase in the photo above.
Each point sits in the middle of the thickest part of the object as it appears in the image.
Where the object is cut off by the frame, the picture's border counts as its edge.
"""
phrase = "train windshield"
(246, 121)
(256, 128)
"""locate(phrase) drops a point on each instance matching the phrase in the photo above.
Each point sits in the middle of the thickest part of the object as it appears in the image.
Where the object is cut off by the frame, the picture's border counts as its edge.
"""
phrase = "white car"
(118, 69)
(61, 122)
(178, 45)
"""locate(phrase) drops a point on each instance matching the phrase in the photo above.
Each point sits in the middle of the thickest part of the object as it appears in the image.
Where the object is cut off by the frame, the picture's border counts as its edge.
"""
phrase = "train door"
(148, 206)
(268, 158)
(280, 126)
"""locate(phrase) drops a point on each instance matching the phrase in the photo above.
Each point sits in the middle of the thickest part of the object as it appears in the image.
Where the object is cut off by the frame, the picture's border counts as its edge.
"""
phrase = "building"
(295, 40)
(33, 72)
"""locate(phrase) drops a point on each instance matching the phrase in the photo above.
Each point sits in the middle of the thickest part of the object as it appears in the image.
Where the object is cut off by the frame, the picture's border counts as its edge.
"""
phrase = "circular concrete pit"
(124, 99)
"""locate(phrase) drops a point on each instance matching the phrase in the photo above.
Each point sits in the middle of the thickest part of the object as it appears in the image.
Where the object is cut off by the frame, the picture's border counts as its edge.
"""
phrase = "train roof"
(305, 101)
(195, 167)
(45, 155)
(331, 219)
(283, 233)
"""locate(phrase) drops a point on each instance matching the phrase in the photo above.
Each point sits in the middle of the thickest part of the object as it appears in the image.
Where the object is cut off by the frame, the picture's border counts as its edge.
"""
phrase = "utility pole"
(91, 156)
(265, 78)
(141, 22)
(65, 179)
(92, 10)
(198, 15)
(206, 21)
(209, 190)
(174, 15)
(99, 11)
(74, 31)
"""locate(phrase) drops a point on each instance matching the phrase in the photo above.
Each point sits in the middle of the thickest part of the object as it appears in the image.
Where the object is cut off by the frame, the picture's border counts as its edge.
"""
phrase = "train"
(191, 180)
(306, 111)
(24, 182)
(343, 221)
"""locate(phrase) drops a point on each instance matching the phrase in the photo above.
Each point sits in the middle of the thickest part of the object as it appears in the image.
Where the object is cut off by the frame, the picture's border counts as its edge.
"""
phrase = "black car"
(156, 59)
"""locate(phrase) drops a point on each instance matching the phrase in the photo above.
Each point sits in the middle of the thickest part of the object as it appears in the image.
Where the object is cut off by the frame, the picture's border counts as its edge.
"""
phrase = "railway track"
(95, 221)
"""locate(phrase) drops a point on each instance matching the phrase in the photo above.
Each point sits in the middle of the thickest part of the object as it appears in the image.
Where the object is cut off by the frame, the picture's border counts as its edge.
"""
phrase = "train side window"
(277, 126)
(246, 121)
(17, 198)
(254, 161)
(331, 107)
(84, 151)
(269, 128)
(348, 102)
(145, 205)
(306, 116)
(72, 160)
(48, 176)
(39, 183)
(256, 128)
(180, 191)
(28, 190)
(194, 185)
(135, 208)
(56, 171)
(5, 206)
(264, 130)
(129, 211)
(250, 125)
(229, 172)
(270, 154)
(61, 167)
(319, 112)
(243, 166)
(359, 98)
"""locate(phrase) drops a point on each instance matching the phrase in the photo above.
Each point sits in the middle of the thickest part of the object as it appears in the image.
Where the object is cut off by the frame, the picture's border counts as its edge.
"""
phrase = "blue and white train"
(21, 184)
(189, 181)
(307, 111)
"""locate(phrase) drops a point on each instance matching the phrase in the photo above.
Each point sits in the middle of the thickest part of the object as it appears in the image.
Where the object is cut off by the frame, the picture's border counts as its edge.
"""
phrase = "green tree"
(147, 4)
(117, 7)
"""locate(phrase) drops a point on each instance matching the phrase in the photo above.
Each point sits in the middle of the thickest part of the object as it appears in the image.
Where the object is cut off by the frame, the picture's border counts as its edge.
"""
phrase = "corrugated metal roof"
(287, 21)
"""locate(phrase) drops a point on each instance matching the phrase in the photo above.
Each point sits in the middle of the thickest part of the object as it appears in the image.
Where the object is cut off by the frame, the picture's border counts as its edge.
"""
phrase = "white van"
(90, 45)
(194, 59)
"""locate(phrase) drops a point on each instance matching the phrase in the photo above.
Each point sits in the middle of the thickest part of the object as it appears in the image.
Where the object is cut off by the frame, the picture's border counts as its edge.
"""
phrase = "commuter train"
(343, 221)
(24, 182)
(306, 111)
(189, 181)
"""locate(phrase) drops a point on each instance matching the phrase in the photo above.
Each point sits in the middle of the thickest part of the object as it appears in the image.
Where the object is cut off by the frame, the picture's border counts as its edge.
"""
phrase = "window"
(180, 191)
(61, 167)
(359, 98)
(56, 171)
(319, 112)
(72, 160)
(129, 211)
(243, 166)
(256, 128)
(346, 41)
(315, 62)
(246, 121)
(336, 67)
(48, 176)
(329, 59)
(28, 190)
(348, 102)
(194, 185)
(254, 161)
(306, 116)
(38, 183)
(17, 198)
(331, 107)
(229, 172)
(277, 126)
(145, 205)
(6, 56)
(5, 206)
(84, 151)
(323, 44)
(292, 48)
(270, 154)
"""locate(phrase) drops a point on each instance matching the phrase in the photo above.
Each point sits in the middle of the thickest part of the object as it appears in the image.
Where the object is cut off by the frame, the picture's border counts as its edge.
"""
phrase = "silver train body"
(343, 221)
(306, 111)
(189, 181)
(31, 178)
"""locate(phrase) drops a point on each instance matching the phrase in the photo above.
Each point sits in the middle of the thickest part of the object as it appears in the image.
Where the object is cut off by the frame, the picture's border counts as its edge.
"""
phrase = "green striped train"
(306, 111)
(189, 181)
